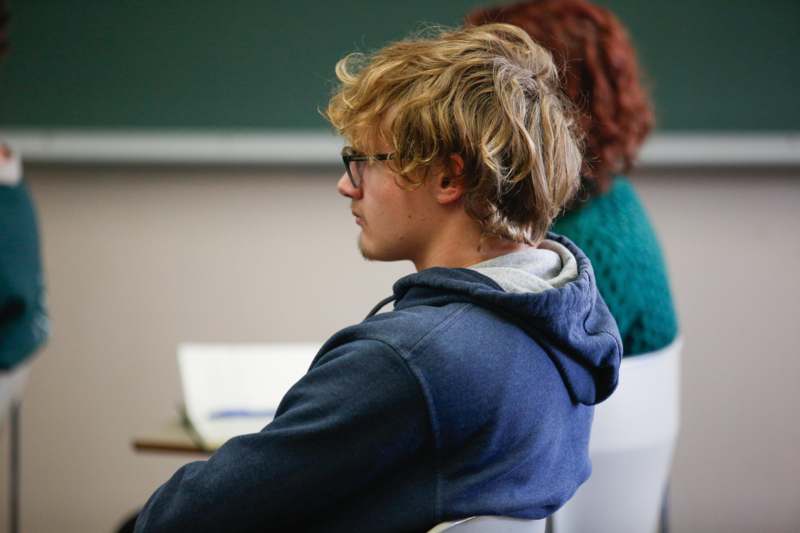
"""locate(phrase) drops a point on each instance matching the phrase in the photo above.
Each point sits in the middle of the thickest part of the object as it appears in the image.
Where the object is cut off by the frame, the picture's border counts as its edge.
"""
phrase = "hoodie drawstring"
(379, 305)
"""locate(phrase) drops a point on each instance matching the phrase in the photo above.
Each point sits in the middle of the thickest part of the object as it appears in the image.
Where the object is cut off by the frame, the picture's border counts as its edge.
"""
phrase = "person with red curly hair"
(601, 77)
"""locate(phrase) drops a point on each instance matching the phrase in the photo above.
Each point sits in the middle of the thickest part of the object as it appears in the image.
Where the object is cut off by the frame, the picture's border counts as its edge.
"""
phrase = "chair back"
(631, 447)
(491, 524)
(12, 385)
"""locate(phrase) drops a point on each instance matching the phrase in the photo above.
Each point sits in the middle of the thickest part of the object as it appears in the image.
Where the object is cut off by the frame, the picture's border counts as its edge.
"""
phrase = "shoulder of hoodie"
(415, 338)
(409, 331)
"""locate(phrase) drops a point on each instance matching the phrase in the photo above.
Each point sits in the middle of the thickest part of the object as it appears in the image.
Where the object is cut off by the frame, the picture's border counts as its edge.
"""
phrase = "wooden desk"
(174, 437)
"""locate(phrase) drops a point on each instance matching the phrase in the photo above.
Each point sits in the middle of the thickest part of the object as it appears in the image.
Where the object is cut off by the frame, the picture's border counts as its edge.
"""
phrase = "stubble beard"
(377, 254)
(369, 254)
(362, 249)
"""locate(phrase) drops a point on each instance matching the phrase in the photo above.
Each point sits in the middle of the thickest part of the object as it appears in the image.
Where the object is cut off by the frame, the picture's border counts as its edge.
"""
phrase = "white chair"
(491, 524)
(631, 447)
(12, 385)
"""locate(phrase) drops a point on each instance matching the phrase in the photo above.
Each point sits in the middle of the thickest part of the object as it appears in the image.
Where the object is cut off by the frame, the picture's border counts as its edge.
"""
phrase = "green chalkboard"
(724, 65)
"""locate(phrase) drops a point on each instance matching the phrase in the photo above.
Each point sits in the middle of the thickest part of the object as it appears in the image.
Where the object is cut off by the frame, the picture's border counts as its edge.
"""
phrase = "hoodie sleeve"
(355, 416)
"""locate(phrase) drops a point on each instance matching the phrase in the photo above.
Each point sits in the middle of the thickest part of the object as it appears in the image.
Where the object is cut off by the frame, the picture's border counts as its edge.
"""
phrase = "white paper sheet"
(234, 389)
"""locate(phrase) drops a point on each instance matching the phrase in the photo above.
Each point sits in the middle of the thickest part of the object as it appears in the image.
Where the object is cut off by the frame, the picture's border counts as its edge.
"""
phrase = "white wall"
(734, 255)
(139, 259)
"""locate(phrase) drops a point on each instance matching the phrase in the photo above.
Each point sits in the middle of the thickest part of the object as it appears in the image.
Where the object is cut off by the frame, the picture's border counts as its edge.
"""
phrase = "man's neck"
(459, 249)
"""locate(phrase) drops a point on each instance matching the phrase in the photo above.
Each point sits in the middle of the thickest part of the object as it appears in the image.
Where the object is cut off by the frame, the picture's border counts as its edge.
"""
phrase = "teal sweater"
(615, 233)
(23, 321)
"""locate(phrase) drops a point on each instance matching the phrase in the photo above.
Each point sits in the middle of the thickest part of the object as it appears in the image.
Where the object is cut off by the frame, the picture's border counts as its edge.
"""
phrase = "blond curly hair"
(488, 94)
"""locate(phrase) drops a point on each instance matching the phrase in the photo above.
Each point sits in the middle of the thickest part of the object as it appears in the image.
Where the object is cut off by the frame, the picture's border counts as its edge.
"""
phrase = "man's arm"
(355, 416)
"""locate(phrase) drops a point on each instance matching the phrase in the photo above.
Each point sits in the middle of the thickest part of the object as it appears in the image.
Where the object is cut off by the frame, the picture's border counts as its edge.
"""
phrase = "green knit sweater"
(615, 233)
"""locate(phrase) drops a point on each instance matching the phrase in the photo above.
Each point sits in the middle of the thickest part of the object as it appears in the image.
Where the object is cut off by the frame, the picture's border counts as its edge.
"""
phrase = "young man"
(473, 396)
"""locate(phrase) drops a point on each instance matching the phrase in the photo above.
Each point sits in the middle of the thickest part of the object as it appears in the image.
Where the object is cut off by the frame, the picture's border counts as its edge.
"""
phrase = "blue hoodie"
(464, 400)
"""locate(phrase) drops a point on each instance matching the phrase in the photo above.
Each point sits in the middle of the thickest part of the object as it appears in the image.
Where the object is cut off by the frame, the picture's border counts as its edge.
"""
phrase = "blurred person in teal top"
(23, 321)
(607, 221)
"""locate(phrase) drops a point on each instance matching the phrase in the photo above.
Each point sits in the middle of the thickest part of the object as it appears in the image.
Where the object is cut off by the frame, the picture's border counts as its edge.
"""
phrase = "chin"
(366, 252)
(370, 252)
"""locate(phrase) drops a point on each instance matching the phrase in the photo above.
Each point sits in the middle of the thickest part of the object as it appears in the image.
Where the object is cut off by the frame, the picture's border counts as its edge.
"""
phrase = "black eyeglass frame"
(350, 155)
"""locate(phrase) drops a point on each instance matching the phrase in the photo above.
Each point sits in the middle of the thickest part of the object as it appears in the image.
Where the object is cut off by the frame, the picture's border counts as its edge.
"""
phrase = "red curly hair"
(601, 78)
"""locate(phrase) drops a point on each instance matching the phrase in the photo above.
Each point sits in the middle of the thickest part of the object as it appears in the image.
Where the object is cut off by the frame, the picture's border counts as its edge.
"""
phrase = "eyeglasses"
(354, 163)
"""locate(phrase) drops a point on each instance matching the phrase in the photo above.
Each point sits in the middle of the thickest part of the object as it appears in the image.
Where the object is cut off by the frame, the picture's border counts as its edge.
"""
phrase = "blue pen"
(242, 413)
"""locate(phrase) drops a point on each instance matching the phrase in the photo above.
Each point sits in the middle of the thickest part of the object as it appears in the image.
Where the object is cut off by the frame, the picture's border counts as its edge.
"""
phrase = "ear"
(449, 187)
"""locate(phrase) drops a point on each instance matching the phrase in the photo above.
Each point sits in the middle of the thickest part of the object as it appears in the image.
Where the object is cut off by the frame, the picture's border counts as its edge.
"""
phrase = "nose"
(345, 187)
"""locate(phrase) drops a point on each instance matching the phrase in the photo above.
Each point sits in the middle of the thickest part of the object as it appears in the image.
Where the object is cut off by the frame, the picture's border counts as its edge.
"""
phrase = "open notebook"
(234, 389)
